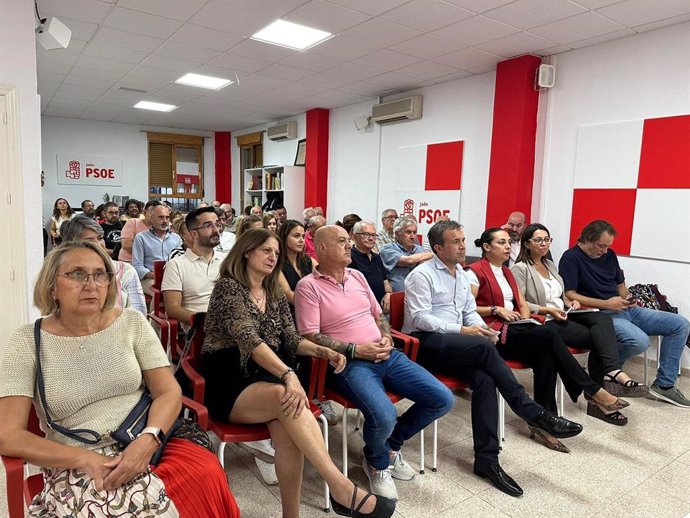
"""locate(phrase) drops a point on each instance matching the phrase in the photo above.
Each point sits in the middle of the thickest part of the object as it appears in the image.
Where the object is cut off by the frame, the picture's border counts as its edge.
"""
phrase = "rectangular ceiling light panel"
(291, 35)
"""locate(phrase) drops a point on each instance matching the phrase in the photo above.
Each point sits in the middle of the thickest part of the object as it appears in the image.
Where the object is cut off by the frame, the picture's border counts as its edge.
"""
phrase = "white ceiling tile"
(515, 44)
(427, 70)
(453, 77)
(123, 98)
(582, 26)
(531, 13)
(596, 4)
(362, 88)
(312, 61)
(166, 63)
(368, 6)
(239, 63)
(341, 98)
(662, 23)
(354, 71)
(600, 39)
(148, 84)
(273, 97)
(155, 73)
(86, 81)
(96, 50)
(479, 6)
(262, 80)
(68, 97)
(427, 46)
(55, 67)
(427, 15)
(477, 29)
(90, 72)
(82, 10)
(259, 50)
(80, 30)
(468, 58)
(638, 12)
(135, 116)
(555, 50)
(326, 16)
(176, 9)
(103, 64)
(224, 17)
(67, 89)
(205, 37)
(394, 80)
(386, 60)
(327, 81)
(235, 93)
(66, 109)
(275, 8)
(127, 40)
(50, 77)
(189, 52)
(381, 33)
(342, 48)
(180, 93)
(303, 88)
(141, 23)
(281, 71)
(98, 113)
(67, 56)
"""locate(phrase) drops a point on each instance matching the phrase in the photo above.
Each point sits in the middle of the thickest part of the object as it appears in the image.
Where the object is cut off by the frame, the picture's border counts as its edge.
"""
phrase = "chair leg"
(358, 423)
(560, 402)
(501, 419)
(345, 441)
(434, 447)
(421, 451)
(221, 454)
(644, 356)
(326, 490)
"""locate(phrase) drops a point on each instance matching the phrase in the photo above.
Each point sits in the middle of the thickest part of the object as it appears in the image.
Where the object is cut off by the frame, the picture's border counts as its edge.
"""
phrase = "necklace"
(260, 299)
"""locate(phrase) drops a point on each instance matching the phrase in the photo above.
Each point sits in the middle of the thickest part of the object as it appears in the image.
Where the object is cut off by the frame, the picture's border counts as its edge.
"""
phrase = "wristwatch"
(494, 311)
(156, 432)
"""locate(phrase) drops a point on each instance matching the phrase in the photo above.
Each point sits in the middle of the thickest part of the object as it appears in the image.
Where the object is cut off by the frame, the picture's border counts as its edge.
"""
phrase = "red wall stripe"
(511, 170)
(444, 166)
(223, 146)
(316, 163)
(665, 154)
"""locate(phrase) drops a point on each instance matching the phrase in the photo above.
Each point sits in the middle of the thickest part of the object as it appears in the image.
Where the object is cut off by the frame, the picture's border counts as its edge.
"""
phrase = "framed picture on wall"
(300, 157)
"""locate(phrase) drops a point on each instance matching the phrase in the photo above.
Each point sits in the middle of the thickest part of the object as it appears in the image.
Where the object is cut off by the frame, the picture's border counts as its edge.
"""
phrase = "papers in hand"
(581, 310)
(525, 321)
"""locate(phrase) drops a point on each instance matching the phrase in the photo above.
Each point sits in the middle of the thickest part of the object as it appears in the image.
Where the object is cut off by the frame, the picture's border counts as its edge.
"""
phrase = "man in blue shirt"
(441, 311)
(153, 245)
(404, 254)
(592, 276)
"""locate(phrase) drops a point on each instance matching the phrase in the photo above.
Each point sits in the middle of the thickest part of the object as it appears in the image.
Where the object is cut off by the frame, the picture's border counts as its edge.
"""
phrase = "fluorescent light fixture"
(159, 107)
(292, 35)
(212, 83)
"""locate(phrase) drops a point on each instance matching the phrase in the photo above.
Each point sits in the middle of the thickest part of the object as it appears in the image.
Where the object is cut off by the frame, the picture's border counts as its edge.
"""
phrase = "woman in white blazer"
(537, 277)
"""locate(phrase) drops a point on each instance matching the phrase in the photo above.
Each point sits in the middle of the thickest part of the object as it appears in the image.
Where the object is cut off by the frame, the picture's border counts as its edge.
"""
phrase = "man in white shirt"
(441, 311)
(187, 284)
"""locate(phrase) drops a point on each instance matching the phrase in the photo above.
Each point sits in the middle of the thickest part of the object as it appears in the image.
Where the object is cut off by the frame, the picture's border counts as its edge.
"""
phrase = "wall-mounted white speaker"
(54, 34)
(362, 122)
(546, 76)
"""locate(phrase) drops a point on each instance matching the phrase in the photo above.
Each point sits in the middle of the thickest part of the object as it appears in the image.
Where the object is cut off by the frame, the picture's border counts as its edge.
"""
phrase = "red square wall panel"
(443, 166)
(617, 206)
(665, 154)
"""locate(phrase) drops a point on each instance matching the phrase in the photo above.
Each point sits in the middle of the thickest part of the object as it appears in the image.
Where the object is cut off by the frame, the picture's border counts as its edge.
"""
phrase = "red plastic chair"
(169, 327)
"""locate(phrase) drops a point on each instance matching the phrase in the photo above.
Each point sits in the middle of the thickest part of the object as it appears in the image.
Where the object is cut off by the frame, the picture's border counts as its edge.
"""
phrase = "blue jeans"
(365, 384)
(633, 328)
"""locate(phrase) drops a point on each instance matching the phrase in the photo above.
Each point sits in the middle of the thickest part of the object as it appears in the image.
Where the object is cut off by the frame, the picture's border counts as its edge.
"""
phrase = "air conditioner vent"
(409, 108)
(285, 131)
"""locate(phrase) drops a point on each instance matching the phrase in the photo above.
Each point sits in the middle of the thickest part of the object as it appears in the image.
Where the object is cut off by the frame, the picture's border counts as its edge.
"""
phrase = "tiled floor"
(640, 470)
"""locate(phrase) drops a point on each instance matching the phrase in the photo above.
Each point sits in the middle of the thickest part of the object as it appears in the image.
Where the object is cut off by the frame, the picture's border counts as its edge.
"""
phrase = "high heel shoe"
(629, 388)
(547, 440)
(619, 404)
(384, 507)
(614, 417)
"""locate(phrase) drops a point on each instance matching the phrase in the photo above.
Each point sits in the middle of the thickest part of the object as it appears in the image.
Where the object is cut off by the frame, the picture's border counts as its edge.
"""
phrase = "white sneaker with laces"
(267, 470)
(380, 481)
(399, 468)
(332, 417)
(261, 449)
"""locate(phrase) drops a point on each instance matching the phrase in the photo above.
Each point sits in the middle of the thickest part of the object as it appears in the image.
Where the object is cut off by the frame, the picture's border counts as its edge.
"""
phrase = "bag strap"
(189, 338)
(72, 434)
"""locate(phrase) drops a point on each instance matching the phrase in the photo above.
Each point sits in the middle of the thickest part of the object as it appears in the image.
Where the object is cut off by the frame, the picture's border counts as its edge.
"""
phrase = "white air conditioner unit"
(408, 108)
(284, 131)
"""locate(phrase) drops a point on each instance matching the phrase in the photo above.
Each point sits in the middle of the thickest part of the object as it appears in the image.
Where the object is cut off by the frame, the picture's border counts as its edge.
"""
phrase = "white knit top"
(90, 381)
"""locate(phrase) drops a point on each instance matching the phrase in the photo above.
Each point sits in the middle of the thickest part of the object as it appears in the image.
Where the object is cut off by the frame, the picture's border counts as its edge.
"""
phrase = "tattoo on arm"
(384, 326)
(329, 342)
(321, 352)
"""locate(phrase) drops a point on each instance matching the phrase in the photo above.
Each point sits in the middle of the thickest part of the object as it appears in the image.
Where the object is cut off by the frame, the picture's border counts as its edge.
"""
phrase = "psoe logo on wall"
(428, 207)
(89, 170)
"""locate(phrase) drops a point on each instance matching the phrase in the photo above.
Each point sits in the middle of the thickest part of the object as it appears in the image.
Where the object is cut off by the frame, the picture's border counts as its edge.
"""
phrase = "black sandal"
(630, 388)
(385, 507)
(615, 417)
(618, 405)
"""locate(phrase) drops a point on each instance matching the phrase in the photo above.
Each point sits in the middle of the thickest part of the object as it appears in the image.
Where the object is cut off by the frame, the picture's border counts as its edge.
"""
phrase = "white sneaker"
(261, 449)
(380, 481)
(399, 468)
(267, 470)
(332, 417)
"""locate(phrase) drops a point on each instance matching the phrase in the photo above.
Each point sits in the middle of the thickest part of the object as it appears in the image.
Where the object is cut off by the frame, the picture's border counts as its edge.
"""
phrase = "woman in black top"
(294, 262)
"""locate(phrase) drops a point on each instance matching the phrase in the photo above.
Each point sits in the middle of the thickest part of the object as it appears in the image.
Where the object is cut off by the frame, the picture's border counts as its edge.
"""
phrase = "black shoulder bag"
(128, 430)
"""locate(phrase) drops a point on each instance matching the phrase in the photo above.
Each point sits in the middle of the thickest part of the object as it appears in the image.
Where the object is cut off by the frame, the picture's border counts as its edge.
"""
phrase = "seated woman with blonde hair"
(96, 362)
(247, 361)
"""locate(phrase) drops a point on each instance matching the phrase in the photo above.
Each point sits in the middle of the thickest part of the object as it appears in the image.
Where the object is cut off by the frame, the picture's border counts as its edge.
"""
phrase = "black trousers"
(475, 360)
(542, 349)
(593, 331)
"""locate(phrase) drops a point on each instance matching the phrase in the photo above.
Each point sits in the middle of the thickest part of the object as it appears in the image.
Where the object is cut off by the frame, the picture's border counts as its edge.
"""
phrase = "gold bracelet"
(284, 374)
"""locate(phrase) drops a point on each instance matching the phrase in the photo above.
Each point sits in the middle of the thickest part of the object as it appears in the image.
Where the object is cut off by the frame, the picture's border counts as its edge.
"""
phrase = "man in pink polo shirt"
(335, 308)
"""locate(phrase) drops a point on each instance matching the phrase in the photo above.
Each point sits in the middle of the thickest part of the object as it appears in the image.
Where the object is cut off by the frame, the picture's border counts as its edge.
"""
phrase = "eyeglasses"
(209, 225)
(100, 278)
(540, 240)
(366, 235)
(391, 217)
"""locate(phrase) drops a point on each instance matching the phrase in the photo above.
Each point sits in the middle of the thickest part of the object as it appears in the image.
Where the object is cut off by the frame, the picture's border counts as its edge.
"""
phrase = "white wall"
(643, 76)
(127, 141)
(18, 69)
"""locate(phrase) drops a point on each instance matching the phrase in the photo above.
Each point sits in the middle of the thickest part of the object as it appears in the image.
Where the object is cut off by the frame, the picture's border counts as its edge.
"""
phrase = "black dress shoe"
(559, 427)
(499, 478)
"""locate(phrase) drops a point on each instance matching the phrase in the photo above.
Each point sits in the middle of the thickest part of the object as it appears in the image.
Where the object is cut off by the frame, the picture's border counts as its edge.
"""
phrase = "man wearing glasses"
(369, 263)
(386, 234)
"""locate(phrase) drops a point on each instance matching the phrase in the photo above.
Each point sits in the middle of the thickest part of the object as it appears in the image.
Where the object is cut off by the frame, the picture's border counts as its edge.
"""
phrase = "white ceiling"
(380, 47)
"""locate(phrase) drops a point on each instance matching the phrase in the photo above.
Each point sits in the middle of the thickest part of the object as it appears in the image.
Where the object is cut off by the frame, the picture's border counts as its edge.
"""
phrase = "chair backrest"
(158, 269)
(397, 310)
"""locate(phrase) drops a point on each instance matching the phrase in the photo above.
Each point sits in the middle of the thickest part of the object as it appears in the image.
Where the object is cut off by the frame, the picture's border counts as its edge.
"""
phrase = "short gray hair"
(383, 214)
(73, 229)
(357, 228)
(402, 223)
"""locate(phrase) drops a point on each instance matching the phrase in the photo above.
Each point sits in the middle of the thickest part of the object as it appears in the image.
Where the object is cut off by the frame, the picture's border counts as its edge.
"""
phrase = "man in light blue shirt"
(152, 245)
(401, 256)
(441, 311)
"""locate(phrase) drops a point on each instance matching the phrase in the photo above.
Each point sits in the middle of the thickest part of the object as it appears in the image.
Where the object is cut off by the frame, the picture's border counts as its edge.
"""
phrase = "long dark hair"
(526, 236)
(283, 233)
(56, 211)
(487, 238)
